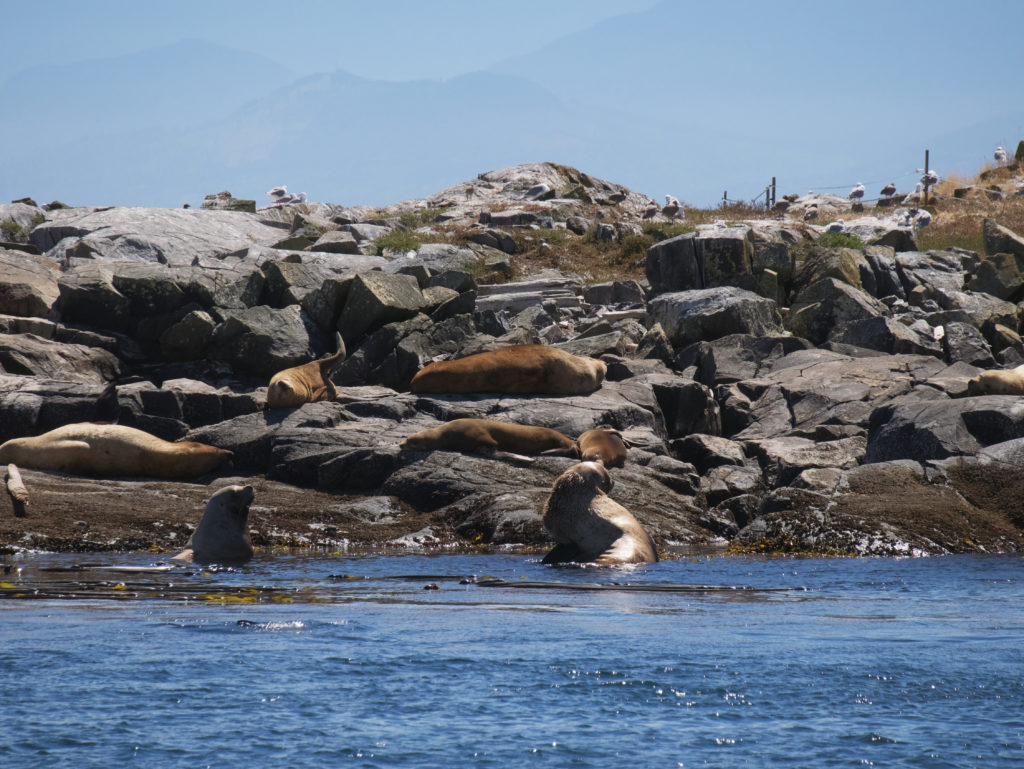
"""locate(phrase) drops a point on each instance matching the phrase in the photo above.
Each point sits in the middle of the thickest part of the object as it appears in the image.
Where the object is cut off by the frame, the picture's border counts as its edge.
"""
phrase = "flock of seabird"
(281, 196)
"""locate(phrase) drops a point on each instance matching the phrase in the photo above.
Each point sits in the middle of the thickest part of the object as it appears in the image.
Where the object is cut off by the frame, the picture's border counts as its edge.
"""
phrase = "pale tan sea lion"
(222, 535)
(111, 451)
(588, 525)
(308, 383)
(998, 382)
(604, 444)
(489, 435)
(519, 369)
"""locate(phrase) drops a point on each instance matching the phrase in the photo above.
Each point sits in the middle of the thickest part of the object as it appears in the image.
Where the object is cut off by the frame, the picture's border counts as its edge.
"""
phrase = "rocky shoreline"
(778, 394)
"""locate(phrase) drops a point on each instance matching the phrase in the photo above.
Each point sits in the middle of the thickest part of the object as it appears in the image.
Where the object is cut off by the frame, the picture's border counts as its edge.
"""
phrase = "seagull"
(651, 210)
(1000, 156)
(301, 197)
(888, 190)
(537, 190)
(837, 226)
(857, 193)
(930, 178)
(278, 192)
(811, 213)
(913, 197)
(672, 208)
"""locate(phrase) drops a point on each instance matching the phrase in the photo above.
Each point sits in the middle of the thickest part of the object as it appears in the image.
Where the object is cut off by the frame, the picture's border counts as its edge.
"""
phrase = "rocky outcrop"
(776, 394)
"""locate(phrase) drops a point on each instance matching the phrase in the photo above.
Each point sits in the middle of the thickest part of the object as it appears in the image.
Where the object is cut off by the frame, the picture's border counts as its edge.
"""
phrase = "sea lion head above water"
(588, 525)
(222, 535)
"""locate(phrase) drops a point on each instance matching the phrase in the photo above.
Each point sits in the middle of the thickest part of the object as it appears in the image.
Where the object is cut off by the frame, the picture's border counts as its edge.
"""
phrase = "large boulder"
(34, 356)
(736, 357)
(169, 236)
(936, 429)
(262, 340)
(706, 260)
(33, 405)
(888, 336)
(1001, 240)
(28, 285)
(807, 391)
(822, 306)
(711, 313)
(377, 298)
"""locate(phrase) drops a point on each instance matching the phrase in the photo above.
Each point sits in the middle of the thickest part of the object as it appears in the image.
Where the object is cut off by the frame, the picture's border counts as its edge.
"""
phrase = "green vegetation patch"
(840, 240)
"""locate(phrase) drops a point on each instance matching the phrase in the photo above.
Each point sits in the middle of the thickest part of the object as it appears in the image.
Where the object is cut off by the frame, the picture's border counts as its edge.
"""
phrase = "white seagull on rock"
(837, 226)
(913, 197)
(857, 193)
(278, 192)
(672, 207)
(930, 178)
(888, 190)
(1000, 156)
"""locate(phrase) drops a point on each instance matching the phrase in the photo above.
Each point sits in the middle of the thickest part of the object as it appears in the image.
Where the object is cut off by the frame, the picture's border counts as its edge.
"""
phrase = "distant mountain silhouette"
(637, 100)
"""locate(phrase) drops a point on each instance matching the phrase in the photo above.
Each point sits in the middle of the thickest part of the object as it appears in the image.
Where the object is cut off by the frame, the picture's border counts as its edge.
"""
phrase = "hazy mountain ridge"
(625, 100)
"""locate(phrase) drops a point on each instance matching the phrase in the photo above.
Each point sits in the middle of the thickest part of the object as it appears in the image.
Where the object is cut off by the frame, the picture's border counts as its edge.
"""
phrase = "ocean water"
(383, 661)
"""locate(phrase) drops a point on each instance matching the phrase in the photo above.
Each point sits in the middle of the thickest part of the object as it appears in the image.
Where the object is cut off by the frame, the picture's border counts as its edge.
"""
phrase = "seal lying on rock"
(489, 435)
(999, 382)
(588, 525)
(221, 536)
(308, 383)
(529, 369)
(112, 451)
(603, 444)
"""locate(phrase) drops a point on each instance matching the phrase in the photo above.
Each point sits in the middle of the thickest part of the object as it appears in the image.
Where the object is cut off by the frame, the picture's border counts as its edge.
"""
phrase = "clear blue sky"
(691, 98)
(379, 39)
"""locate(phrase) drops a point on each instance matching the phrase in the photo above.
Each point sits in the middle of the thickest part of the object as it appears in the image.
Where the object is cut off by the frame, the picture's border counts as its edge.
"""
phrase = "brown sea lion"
(604, 444)
(308, 383)
(588, 525)
(998, 382)
(489, 435)
(111, 451)
(529, 369)
(222, 536)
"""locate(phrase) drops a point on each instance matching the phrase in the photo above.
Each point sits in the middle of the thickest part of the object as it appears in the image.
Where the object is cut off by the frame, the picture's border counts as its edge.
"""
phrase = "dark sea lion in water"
(588, 525)
(529, 369)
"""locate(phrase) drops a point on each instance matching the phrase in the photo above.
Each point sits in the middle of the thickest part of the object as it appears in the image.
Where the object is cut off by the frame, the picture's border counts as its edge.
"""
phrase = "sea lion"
(588, 525)
(603, 444)
(308, 383)
(112, 450)
(489, 435)
(998, 382)
(221, 536)
(529, 369)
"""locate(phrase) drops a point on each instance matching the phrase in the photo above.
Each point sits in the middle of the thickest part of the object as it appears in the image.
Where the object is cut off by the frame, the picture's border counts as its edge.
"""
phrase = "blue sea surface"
(383, 661)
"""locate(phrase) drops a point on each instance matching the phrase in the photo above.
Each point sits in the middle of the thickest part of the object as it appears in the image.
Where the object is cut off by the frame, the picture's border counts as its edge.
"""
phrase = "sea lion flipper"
(185, 556)
(573, 453)
(563, 553)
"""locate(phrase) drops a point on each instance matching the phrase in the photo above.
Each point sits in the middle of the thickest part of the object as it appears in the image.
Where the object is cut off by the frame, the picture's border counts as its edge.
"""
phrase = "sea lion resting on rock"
(588, 525)
(603, 444)
(221, 536)
(998, 382)
(529, 369)
(490, 435)
(111, 451)
(308, 383)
